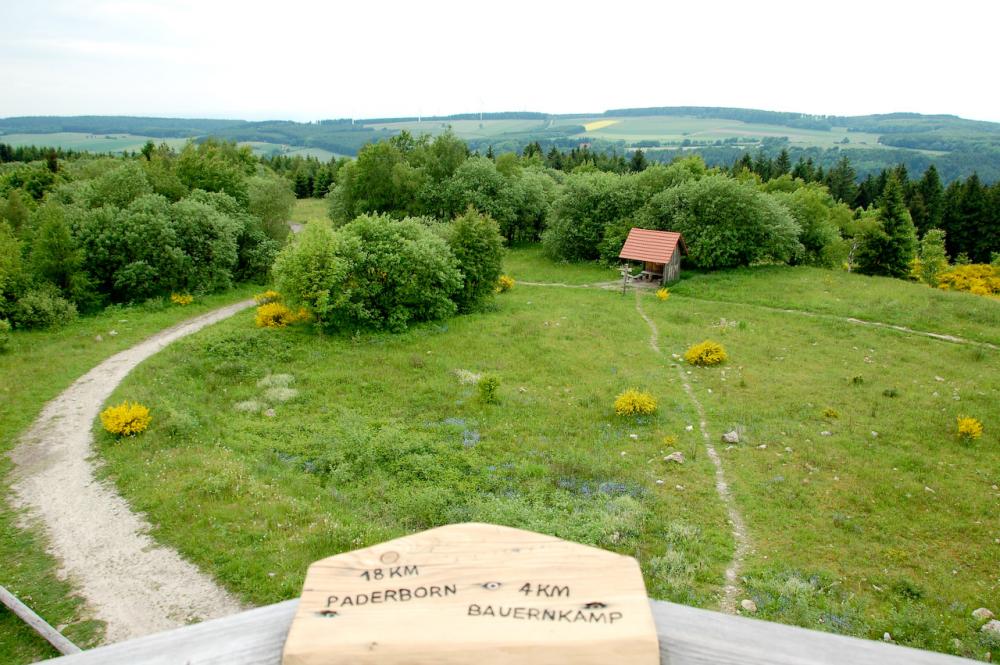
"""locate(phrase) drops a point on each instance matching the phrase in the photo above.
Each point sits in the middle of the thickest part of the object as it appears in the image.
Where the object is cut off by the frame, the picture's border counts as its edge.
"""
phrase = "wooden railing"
(688, 636)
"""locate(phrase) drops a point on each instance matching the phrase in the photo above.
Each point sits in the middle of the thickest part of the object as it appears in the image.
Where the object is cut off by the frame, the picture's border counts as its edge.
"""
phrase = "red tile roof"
(653, 246)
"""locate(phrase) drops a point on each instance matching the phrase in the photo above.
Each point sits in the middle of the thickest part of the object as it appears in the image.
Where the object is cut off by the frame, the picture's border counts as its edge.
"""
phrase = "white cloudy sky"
(300, 60)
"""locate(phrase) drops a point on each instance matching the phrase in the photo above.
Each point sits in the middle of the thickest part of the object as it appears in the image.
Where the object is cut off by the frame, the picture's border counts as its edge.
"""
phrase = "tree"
(725, 222)
(13, 210)
(811, 207)
(270, 199)
(889, 248)
(587, 204)
(475, 241)
(638, 162)
(782, 163)
(840, 180)
(10, 268)
(933, 259)
(55, 256)
(932, 196)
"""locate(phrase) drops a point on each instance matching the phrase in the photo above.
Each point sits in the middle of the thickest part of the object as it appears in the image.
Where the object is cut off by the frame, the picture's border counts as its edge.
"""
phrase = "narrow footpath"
(737, 526)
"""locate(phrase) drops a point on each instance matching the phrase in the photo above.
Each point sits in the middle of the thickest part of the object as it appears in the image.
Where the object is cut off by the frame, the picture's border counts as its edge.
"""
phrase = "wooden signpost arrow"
(473, 593)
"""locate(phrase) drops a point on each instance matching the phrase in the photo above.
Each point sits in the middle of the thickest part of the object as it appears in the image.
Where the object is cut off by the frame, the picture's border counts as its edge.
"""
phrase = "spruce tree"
(890, 248)
(782, 164)
(933, 195)
(638, 161)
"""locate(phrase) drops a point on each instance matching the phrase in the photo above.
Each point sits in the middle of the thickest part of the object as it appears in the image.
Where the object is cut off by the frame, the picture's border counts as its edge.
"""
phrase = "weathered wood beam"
(688, 636)
(37, 623)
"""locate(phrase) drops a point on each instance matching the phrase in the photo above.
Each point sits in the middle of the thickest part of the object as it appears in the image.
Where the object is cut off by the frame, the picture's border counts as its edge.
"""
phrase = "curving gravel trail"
(129, 581)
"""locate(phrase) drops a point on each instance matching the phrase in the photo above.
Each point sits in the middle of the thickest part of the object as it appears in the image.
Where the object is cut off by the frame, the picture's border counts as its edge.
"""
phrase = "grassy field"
(865, 513)
(678, 128)
(838, 293)
(306, 210)
(65, 355)
(89, 142)
(530, 263)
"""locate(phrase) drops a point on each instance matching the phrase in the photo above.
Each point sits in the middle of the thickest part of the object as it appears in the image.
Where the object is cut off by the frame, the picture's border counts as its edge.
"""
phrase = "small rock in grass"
(675, 457)
(249, 406)
(731, 437)
(659, 482)
(679, 487)
(113, 333)
(762, 446)
(98, 338)
(270, 413)
(748, 605)
(787, 449)
(634, 437)
(992, 626)
(689, 428)
(886, 637)
(826, 432)
(982, 614)
(874, 434)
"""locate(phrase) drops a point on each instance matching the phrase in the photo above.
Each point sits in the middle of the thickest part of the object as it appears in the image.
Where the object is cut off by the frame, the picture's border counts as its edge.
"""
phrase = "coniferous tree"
(933, 197)
(782, 164)
(638, 161)
(840, 180)
(889, 248)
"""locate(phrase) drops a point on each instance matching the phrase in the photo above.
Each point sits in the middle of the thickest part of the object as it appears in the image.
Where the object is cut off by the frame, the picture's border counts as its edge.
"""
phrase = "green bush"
(373, 272)
(4, 335)
(208, 241)
(475, 241)
(489, 389)
(587, 204)
(10, 267)
(725, 222)
(43, 308)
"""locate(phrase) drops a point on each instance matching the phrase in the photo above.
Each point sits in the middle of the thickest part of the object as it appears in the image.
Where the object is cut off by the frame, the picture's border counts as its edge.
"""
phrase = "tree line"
(79, 234)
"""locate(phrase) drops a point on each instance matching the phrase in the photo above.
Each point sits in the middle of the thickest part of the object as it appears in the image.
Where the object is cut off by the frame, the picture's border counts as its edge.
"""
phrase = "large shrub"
(725, 222)
(118, 187)
(132, 253)
(43, 307)
(587, 203)
(373, 272)
(814, 211)
(475, 241)
(270, 199)
(208, 240)
(10, 266)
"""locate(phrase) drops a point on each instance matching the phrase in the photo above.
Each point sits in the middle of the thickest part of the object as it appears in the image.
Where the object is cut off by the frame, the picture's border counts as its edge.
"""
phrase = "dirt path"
(942, 337)
(129, 581)
(737, 525)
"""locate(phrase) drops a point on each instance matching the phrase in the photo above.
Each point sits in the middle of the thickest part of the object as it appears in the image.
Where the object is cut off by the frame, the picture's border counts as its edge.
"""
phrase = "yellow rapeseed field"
(599, 124)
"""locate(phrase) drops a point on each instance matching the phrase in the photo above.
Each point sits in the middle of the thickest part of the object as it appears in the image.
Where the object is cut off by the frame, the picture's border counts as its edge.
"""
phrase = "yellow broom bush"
(126, 419)
(274, 315)
(969, 428)
(181, 298)
(663, 293)
(706, 353)
(505, 283)
(267, 297)
(981, 279)
(634, 402)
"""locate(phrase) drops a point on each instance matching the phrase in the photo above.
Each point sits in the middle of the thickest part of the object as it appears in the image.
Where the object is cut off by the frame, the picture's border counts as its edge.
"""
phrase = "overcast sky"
(291, 59)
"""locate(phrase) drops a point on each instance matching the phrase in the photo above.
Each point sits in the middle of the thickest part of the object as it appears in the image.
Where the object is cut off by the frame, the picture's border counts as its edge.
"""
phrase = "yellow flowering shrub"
(274, 315)
(706, 353)
(981, 279)
(181, 298)
(268, 296)
(505, 283)
(830, 413)
(969, 428)
(634, 402)
(663, 293)
(126, 419)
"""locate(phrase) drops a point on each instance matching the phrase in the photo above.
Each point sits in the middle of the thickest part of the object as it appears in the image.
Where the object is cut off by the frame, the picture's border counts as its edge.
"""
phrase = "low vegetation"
(388, 434)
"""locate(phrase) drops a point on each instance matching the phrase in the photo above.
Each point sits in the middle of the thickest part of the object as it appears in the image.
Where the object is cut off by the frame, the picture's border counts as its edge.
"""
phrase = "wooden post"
(51, 635)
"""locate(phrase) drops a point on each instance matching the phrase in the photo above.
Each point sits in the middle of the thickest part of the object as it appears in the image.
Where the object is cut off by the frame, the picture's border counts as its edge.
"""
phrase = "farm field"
(464, 129)
(89, 142)
(865, 513)
(674, 128)
(66, 354)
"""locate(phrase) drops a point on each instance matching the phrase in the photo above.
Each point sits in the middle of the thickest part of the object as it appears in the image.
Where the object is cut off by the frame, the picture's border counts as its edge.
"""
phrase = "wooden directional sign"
(474, 593)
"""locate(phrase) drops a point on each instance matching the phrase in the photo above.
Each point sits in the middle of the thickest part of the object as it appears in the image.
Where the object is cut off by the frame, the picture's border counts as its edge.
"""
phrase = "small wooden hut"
(658, 252)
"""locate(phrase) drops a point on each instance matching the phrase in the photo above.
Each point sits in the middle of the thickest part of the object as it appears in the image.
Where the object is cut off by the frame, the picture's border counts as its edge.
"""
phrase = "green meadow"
(865, 512)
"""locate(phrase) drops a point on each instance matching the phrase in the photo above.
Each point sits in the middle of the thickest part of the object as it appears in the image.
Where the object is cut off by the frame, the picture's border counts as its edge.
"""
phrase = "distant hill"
(956, 145)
